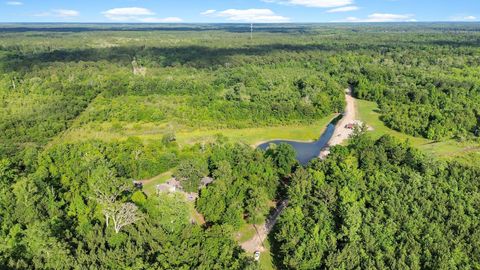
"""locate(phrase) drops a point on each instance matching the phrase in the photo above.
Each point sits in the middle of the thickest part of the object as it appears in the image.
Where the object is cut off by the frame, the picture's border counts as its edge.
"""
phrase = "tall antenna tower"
(251, 31)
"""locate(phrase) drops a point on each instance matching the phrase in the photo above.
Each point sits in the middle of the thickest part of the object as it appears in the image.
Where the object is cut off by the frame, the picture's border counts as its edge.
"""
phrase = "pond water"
(306, 151)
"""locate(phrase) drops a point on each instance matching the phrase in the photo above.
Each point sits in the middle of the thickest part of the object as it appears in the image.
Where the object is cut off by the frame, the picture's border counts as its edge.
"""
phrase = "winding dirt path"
(340, 134)
(262, 231)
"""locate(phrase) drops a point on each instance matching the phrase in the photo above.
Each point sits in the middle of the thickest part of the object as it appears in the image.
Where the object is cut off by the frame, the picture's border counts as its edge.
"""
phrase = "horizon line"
(177, 23)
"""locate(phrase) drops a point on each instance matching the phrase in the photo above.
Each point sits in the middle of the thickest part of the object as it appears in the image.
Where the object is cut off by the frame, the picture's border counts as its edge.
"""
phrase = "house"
(205, 182)
(137, 184)
(172, 185)
(191, 196)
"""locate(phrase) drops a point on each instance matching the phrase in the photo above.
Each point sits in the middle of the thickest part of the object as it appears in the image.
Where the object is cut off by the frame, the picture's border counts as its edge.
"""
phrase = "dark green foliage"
(55, 218)
(190, 173)
(245, 181)
(283, 156)
(380, 204)
(370, 205)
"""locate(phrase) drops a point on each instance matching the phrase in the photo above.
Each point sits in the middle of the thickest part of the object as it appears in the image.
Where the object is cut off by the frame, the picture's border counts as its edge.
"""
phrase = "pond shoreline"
(336, 132)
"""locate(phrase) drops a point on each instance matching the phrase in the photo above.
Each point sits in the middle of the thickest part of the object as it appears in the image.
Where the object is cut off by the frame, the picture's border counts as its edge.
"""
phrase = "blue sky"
(190, 11)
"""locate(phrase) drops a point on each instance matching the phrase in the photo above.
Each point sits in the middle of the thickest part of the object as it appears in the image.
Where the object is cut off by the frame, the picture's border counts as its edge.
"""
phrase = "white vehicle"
(256, 255)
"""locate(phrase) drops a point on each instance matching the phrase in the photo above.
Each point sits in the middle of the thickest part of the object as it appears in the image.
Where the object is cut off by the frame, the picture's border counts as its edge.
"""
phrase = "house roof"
(206, 180)
(174, 182)
(163, 187)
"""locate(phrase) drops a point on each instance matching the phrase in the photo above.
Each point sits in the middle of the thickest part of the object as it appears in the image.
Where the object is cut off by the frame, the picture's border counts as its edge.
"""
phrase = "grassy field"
(245, 233)
(187, 136)
(253, 136)
(149, 184)
(450, 149)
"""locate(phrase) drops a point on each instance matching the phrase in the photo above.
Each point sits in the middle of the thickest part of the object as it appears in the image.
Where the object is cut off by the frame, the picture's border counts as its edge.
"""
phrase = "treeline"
(381, 204)
(43, 102)
(435, 98)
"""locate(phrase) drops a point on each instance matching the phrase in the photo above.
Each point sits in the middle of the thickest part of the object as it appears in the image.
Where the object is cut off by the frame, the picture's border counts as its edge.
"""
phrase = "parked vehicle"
(256, 255)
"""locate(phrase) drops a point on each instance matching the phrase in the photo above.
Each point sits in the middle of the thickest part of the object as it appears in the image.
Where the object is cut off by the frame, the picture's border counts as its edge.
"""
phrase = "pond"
(306, 151)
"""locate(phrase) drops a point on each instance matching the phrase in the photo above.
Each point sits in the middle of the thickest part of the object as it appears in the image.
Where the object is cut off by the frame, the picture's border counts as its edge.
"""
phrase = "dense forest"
(71, 95)
(381, 205)
(58, 216)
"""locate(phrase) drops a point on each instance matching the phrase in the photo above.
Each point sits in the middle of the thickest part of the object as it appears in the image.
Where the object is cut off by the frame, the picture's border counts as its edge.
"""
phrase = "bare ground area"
(262, 231)
(342, 133)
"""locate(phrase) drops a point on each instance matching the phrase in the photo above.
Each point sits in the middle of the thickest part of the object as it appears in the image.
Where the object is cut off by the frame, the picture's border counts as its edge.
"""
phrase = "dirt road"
(340, 134)
(262, 231)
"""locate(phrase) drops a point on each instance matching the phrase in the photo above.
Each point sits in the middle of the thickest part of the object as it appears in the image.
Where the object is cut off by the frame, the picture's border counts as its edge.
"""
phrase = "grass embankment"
(252, 136)
(245, 233)
(466, 152)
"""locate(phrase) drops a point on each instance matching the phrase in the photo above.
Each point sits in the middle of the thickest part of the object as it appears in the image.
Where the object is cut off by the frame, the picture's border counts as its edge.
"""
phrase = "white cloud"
(62, 13)
(208, 12)
(343, 9)
(136, 14)
(313, 3)
(127, 14)
(463, 18)
(382, 17)
(248, 15)
(66, 13)
(14, 3)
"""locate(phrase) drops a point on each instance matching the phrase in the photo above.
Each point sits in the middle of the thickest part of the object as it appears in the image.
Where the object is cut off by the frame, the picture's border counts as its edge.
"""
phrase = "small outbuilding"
(205, 181)
(137, 184)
